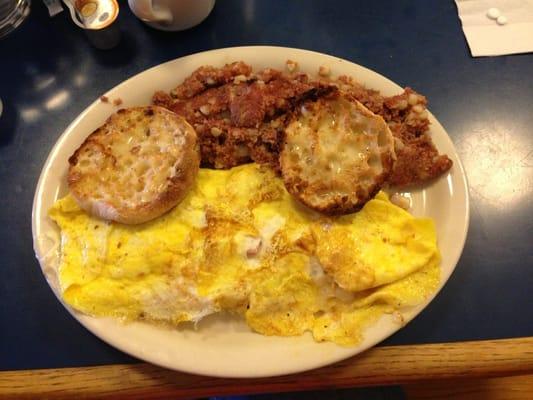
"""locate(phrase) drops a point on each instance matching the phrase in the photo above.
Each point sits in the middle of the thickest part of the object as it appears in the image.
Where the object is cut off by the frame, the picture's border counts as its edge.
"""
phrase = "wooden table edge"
(384, 365)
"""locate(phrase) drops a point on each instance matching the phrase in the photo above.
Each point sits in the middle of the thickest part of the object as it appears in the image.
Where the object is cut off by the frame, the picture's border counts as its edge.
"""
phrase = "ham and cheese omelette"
(240, 243)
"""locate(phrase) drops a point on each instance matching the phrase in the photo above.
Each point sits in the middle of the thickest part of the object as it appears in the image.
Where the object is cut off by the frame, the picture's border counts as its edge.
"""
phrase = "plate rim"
(203, 371)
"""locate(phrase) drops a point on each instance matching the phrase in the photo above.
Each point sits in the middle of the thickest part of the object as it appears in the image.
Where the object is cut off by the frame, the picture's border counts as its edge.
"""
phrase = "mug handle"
(144, 10)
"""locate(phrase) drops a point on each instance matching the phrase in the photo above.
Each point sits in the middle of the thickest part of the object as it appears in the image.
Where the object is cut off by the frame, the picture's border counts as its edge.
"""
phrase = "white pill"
(493, 13)
(501, 20)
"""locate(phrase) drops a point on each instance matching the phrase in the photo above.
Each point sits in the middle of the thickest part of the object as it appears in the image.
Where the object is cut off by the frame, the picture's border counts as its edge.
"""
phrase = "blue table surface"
(50, 73)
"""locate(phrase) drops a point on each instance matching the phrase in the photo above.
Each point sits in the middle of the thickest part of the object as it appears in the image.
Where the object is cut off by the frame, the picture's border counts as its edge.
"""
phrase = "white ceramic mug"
(171, 15)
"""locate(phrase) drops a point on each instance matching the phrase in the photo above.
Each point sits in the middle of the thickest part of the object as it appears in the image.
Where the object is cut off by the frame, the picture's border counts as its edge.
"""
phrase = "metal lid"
(96, 14)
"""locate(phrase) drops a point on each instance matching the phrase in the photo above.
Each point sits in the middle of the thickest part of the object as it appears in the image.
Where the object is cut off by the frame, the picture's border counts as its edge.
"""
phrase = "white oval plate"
(222, 346)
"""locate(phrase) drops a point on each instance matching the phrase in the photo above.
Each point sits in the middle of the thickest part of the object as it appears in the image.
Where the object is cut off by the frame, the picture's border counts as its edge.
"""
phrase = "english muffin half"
(136, 166)
(337, 154)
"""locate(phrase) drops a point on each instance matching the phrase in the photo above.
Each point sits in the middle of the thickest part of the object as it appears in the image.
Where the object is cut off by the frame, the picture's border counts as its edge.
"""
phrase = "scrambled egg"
(240, 243)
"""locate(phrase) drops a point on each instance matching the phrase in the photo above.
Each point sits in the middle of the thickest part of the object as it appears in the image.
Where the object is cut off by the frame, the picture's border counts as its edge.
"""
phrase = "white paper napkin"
(486, 38)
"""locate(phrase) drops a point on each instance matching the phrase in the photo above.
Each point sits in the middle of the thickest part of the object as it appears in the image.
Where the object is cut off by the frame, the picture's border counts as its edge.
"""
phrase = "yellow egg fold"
(240, 243)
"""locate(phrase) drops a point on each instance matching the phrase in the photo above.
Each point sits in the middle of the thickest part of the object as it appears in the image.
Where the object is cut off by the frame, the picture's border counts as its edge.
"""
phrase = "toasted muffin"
(136, 166)
(336, 155)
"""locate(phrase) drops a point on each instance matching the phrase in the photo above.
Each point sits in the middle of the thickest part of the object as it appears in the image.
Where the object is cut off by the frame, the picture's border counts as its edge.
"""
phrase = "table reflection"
(498, 164)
